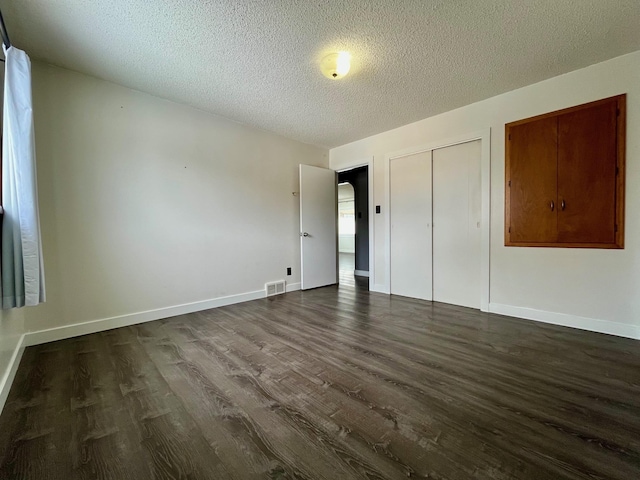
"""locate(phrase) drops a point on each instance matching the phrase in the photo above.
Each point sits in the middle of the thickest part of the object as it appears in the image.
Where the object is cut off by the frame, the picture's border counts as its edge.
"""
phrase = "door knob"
(304, 234)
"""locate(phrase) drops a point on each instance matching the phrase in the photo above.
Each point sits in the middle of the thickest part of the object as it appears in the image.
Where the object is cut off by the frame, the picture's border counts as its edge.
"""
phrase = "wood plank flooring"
(333, 383)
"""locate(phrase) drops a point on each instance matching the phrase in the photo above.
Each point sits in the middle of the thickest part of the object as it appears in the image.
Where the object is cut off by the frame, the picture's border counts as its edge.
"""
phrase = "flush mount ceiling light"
(336, 65)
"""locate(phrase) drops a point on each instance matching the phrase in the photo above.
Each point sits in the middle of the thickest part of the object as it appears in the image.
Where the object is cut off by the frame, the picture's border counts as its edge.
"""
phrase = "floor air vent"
(274, 288)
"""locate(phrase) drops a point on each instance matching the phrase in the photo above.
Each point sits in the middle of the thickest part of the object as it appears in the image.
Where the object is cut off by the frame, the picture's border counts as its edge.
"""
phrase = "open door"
(318, 235)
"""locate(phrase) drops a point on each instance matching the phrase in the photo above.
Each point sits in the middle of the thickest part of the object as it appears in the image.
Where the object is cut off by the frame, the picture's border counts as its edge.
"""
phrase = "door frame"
(485, 197)
(370, 207)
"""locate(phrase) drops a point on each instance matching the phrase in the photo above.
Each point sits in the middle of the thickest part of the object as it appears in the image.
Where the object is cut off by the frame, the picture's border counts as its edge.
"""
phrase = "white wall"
(147, 204)
(593, 289)
(11, 330)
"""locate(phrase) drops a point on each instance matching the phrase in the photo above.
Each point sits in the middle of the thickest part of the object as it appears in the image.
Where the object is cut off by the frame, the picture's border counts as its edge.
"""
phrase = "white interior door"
(456, 224)
(318, 234)
(410, 216)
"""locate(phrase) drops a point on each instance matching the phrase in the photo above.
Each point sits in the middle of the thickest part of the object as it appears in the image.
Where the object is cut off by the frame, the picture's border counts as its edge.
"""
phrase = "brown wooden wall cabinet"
(565, 177)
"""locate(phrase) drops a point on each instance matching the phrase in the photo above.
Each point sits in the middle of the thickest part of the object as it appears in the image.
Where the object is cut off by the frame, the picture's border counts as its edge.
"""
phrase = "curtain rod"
(3, 31)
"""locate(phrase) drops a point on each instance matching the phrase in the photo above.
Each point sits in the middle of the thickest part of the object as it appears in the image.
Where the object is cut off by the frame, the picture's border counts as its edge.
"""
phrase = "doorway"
(353, 227)
(346, 233)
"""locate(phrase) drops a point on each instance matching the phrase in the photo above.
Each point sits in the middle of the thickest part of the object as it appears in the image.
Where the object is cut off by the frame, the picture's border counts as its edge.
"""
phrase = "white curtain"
(22, 270)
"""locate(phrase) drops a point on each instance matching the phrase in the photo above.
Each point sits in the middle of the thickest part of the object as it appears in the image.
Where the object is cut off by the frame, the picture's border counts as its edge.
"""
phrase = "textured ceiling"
(256, 62)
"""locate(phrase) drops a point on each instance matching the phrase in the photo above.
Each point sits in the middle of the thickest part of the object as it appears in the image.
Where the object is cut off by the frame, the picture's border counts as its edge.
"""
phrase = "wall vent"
(275, 288)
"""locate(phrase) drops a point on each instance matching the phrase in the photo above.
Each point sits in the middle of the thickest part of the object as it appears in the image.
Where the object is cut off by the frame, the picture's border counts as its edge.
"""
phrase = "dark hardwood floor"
(333, 383)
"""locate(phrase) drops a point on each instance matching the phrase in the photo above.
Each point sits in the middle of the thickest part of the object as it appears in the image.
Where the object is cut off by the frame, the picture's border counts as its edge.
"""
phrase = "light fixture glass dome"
(336, 65)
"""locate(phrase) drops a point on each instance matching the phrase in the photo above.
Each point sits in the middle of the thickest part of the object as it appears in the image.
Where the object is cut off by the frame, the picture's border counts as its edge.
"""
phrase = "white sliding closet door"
(456, 224)
(410, 215)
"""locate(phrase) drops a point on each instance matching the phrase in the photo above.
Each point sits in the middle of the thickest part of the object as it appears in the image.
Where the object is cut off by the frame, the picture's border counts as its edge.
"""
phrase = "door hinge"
(617, 171)
(509, 229)
(509, 183)
(509, 136)
(615, 228)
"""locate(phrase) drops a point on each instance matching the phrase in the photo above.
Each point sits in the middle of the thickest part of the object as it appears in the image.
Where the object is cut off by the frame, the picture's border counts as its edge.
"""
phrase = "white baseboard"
(361, 273)
(565, 320)
(69, 331)
(292, 287)
(10, 373)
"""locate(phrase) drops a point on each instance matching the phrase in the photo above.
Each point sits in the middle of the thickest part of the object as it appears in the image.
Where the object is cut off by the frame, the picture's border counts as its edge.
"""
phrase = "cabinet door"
(532, 182)
(587, 175)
